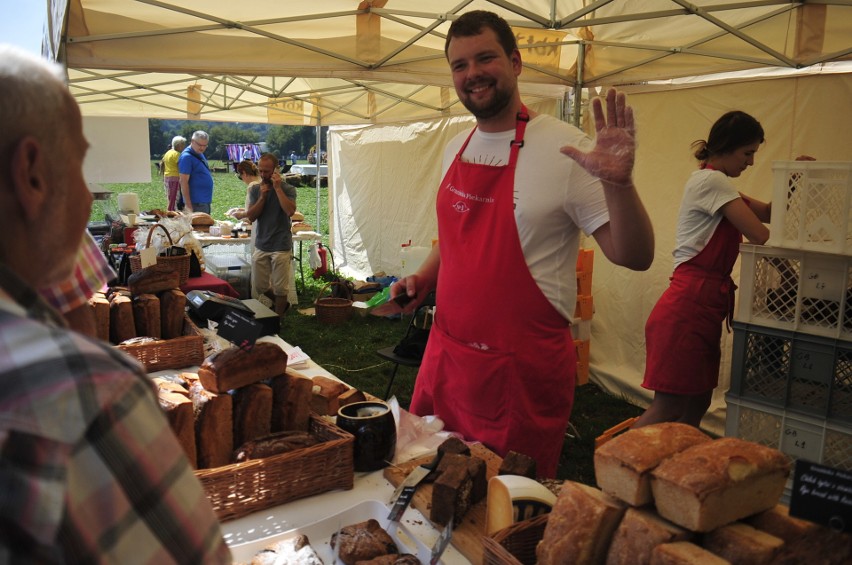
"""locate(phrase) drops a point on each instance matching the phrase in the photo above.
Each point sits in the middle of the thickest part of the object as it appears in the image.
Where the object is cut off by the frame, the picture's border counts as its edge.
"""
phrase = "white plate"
(319, 533)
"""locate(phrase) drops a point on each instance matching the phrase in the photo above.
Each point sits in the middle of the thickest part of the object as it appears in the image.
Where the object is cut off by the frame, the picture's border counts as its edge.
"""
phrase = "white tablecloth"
(299, 513)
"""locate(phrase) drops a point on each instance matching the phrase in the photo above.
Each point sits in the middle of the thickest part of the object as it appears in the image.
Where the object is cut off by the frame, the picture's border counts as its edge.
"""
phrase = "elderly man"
(89, 468)
(196, 182)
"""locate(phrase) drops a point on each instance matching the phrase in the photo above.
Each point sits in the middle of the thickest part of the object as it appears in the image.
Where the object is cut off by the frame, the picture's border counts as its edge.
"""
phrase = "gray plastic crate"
(793, 371)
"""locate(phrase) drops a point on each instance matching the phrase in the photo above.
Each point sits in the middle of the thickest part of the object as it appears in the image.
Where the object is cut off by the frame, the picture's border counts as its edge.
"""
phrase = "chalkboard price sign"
(239, 329)
(822, 495)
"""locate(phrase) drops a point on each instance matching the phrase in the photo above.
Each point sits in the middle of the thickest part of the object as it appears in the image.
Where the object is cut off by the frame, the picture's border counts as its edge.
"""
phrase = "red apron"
(683, 332)
(500, 363)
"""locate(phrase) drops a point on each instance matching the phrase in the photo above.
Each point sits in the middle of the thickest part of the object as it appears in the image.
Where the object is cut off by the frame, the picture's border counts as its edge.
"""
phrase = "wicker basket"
(333, 310)
(172, 353)
(242, 488)
(165, 263)
(516, 544)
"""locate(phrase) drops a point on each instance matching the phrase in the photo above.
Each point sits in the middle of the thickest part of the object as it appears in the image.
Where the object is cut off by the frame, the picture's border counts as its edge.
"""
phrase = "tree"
(158, 140)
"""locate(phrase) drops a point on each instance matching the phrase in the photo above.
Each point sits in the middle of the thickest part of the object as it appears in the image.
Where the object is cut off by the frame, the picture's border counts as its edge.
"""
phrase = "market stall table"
(244, 534)
(209, 282)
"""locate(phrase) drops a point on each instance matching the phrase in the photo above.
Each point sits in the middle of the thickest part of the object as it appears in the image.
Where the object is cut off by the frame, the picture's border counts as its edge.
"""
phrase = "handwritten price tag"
(822, 495)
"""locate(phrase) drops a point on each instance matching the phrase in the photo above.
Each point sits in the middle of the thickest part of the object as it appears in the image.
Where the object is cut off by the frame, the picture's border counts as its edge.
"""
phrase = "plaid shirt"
(90, 471)
(91, 274)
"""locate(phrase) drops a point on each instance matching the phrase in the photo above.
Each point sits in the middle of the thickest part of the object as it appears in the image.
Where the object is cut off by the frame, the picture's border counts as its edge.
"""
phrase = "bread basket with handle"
(331, 310)
(165, 263)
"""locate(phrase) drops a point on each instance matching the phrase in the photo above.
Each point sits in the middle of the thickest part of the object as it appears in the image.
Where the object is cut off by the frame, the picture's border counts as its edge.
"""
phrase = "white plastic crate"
(232, 269)
(796, 290)
(811, 206)
(799, 436)
(794, 371)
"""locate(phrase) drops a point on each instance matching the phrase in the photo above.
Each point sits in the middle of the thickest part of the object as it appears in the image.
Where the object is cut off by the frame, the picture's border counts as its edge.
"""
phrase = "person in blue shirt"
(196, 182)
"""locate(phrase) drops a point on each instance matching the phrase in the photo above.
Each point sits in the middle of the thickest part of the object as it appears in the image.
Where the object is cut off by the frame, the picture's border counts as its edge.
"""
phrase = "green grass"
(348, 350)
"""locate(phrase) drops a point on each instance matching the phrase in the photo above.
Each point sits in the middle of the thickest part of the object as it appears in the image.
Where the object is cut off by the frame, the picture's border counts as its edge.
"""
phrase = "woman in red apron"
(683, 332)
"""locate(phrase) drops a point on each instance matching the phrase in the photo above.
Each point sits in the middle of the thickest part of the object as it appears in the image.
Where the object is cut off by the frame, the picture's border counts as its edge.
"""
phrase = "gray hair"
(199, 135)
(178, 141)
(33, 101)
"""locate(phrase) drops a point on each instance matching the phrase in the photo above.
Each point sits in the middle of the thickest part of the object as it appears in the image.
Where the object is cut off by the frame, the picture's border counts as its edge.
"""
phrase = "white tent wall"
(385, 179)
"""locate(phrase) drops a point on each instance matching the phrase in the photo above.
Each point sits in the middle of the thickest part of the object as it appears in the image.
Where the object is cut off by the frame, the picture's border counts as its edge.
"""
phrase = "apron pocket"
(477, 381)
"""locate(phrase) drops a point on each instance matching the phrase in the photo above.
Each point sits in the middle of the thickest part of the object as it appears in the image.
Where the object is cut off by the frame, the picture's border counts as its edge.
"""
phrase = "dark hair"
(248, 167)
(270, 157)
(730, 132)
(471, 23)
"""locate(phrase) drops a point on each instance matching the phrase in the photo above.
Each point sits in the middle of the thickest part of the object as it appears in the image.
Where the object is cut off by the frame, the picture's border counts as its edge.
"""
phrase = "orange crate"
(582, 347)
(585, 307)
(585, 260)
(584, 282)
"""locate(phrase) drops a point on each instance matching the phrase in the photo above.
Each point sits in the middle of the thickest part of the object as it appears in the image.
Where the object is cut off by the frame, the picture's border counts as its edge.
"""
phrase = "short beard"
(501, 101)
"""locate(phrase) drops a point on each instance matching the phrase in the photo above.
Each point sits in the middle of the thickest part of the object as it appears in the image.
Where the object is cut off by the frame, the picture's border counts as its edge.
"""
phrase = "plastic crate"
(232, 269)
(793, 371)
(811, 206)
(799, 436)
(791, 289)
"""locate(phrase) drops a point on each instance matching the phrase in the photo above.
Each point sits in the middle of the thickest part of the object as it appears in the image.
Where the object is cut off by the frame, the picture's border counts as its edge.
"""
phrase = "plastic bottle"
(411, 257)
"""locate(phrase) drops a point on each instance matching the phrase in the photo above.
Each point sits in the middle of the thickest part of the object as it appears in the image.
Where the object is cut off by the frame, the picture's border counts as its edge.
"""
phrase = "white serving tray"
(319, 533)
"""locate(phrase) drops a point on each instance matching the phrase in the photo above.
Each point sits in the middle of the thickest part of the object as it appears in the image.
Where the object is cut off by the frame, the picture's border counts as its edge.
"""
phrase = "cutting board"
(467, 536)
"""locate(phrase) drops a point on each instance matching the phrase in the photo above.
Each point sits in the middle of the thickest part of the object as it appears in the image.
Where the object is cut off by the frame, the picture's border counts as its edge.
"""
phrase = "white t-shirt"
(554, 199)
(706, 191)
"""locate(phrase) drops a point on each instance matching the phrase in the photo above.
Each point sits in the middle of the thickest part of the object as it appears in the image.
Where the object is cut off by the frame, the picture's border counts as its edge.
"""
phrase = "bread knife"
(404, 493)
(441, 543)
(393, 306)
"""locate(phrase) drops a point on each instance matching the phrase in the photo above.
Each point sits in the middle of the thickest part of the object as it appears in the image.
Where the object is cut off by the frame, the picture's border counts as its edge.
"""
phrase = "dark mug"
(374, 428)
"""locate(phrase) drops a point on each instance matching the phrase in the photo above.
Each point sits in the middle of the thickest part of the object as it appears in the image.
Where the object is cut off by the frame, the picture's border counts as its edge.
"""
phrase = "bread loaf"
(179, 412)
(350, 396)
(121, 324)
(213, 427)
(579, 527)
(684, 553)
(291, 402)
(718, 482)
(743, 545)
(452, 490)
(146, 315)
(151, 281)
(778, 522)
(252, 412)
(165, 384)
(172, 309)
(100, 307)
(623, 464)
(639, 532)
(273, 444)
(363, 541)
(234, 367)
(518, 464)
(326, 394)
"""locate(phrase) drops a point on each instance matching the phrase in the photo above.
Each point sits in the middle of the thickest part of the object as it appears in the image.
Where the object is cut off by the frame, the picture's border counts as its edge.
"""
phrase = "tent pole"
(319, 164)
(578, 86)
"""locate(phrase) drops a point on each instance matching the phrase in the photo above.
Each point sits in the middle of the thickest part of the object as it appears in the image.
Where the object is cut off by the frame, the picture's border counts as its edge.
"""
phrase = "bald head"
(42, 190)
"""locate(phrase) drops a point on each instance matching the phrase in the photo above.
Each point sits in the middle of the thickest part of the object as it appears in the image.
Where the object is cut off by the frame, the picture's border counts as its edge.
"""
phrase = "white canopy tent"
(377, 70)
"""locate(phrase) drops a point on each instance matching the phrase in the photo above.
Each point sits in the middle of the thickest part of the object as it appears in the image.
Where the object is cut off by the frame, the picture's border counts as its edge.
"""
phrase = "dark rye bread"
(252, 412)
(179, 413)
(291, 402)
(213, 426)
(233, 368)
(146, 315)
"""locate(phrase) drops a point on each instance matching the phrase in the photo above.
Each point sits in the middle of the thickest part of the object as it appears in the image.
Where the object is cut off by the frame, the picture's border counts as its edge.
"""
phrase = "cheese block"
(639, 532)
(684, 553)
(623, 464)
(718, 482)
(580, 526)
(740, 543)
(234, 367)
